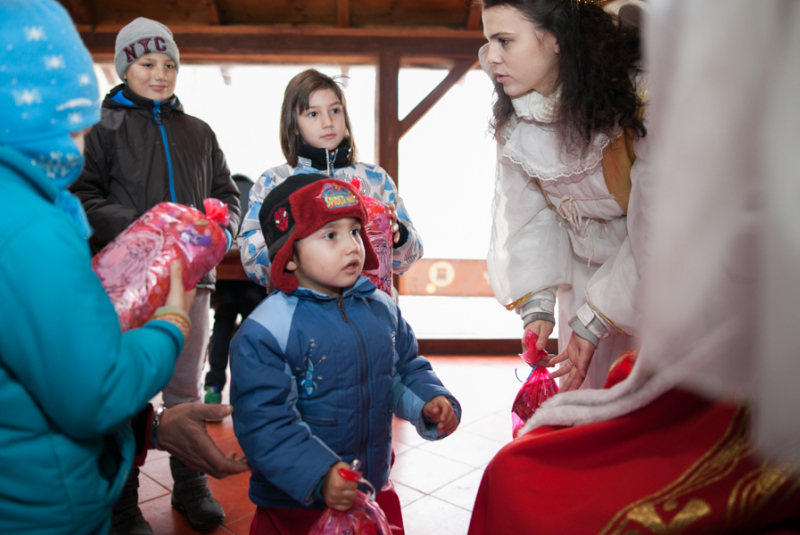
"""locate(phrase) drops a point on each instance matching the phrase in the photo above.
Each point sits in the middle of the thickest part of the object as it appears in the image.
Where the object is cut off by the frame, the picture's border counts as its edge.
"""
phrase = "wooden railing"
(465, 278)
(231, 266)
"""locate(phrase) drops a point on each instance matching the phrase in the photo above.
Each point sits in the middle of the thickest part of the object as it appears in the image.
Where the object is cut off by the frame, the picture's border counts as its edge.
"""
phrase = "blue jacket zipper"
(157, 116)
(364, 368)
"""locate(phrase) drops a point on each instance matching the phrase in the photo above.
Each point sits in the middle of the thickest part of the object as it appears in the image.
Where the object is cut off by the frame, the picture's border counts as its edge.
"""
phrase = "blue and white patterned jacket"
(375, 183)
(316, 379)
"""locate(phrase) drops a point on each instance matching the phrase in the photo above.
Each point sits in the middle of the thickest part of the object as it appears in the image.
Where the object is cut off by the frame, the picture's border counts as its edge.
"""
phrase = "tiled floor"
(436, 481)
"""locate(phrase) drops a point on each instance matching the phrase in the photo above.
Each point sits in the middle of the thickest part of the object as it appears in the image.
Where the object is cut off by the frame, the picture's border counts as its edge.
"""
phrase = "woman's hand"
(394, 224)
(177, 296)
(182, 432)
(543, 329)
(338, 492)
(577, 357)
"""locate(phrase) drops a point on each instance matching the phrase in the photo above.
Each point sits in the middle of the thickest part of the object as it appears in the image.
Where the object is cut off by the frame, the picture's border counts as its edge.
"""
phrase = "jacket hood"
(48, 90)
(47, 83)
(123, 97)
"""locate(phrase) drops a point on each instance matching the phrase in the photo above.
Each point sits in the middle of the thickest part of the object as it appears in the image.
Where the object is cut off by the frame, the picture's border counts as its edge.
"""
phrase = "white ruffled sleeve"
(529, 251)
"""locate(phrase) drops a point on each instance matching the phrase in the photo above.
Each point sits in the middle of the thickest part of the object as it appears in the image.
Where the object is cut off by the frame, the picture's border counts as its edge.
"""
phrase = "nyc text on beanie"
(140, 37)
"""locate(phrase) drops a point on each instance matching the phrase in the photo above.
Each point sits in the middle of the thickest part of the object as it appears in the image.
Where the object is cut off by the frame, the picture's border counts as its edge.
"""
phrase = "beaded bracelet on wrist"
(175, 316)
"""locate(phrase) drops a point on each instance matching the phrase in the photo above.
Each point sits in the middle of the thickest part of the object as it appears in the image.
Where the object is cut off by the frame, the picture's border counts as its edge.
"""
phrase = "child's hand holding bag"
(365, 517)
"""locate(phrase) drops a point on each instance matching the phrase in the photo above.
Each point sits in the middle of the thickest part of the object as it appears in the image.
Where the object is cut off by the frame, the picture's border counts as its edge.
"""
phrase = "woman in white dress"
(570, 150)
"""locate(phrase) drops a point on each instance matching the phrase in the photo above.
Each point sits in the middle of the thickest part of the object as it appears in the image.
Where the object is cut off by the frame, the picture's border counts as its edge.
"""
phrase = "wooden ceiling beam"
(288, 59)
(82, 11)
(456, 73)
(329, 31)
(222, 41)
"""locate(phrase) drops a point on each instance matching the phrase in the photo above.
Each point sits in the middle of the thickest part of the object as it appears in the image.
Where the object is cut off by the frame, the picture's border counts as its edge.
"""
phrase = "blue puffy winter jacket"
(315, 380)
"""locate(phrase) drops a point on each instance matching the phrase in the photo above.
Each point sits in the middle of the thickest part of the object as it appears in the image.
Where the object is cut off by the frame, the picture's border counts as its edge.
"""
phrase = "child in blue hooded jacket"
(321, 365)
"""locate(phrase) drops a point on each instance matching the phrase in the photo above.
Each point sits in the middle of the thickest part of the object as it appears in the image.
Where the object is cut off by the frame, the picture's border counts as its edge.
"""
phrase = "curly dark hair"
(598, 61)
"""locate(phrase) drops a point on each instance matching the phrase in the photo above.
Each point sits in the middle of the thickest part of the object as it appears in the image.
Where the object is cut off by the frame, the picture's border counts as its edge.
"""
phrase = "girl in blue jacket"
(320, 367)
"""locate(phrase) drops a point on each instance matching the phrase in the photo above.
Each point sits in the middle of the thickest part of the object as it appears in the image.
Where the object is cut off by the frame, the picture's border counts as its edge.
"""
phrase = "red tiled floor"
(436, 481)
(150, 489)
(158, 471)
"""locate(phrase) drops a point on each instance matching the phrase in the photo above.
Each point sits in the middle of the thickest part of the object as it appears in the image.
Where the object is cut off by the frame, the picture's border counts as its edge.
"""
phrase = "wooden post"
(212, 13)
(387, 127)
(474, 16)
(343, 13)
(387, 124)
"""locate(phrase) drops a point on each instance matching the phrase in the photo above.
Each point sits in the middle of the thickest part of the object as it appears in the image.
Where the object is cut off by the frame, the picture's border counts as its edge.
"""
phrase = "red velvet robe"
(681, 464)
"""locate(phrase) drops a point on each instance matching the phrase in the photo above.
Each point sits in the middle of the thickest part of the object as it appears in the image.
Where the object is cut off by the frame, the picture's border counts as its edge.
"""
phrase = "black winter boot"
(192, 497)
(126, 517)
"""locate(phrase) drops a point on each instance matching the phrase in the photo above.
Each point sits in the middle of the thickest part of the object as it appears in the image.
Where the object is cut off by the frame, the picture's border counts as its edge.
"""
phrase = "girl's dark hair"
(295, 100)
(598, 61)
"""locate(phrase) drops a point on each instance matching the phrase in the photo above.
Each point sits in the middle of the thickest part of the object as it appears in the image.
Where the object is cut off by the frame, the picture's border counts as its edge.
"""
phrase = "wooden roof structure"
(348, 31)
(386, 33)
(389, 34)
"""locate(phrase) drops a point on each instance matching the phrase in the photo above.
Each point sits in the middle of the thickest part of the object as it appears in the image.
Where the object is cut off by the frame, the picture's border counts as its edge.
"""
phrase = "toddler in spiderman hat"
(321, 365)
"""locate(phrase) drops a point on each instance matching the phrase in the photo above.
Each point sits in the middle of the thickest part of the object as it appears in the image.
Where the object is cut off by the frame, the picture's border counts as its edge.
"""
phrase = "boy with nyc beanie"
(146, 150)
(321, 365)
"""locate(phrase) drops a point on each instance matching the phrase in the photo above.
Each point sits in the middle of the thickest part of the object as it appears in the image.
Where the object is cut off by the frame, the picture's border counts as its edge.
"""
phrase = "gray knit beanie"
(140, 37)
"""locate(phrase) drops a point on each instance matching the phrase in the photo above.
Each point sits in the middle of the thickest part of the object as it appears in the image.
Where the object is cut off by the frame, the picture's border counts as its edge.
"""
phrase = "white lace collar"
(537, 107)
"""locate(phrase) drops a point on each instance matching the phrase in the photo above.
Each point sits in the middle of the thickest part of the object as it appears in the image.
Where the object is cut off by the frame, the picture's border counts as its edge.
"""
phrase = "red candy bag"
(134, 268)
(379, 231)
(538, 388)
(364, 518)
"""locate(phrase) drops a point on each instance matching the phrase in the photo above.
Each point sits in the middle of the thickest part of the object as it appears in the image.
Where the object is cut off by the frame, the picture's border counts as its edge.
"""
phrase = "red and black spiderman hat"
(296, 208)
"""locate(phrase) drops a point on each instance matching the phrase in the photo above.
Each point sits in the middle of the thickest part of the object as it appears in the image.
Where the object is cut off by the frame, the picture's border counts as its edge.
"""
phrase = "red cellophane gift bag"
(537, 388)
(134, 268)
(379, 231)
(364, 518)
